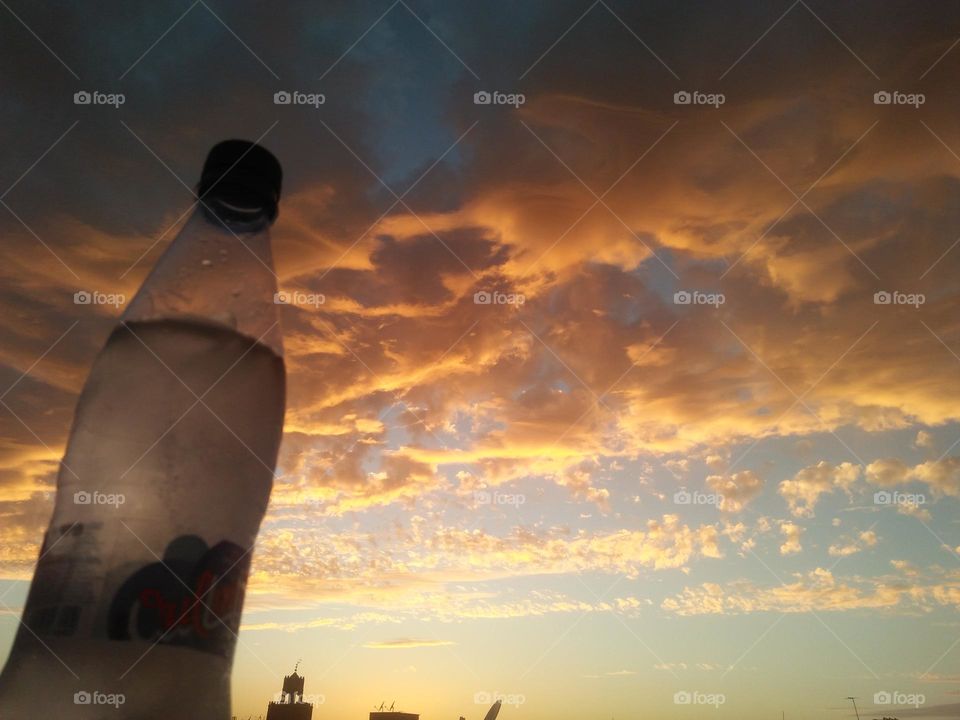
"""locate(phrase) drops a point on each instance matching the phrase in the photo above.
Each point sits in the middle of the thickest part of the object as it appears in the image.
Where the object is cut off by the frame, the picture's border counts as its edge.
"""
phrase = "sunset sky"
(519, 498)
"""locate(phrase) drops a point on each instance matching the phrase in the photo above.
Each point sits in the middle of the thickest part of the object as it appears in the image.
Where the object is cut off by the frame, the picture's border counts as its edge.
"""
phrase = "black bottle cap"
(243, 173)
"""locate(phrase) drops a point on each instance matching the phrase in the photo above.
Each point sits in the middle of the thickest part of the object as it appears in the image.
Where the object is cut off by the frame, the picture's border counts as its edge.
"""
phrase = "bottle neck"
(234, 214)
(218, 270)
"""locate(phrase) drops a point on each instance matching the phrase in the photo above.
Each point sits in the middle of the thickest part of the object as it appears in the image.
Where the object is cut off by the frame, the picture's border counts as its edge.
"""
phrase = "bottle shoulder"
(211, 274)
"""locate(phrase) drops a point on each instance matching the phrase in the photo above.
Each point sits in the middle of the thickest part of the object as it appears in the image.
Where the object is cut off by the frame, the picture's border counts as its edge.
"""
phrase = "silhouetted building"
(390, 715)
(290, 705)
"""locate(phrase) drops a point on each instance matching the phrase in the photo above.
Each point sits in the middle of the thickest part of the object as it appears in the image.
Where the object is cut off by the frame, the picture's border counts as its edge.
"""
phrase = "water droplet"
(206, 263)
(226, 318)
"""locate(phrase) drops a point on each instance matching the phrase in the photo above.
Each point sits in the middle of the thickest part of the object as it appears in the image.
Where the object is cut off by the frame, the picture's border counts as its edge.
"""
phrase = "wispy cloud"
(404, 643)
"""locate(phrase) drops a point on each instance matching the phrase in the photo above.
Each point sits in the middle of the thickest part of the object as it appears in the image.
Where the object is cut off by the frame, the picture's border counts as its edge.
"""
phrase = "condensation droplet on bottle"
(206, 263)
(226, 318)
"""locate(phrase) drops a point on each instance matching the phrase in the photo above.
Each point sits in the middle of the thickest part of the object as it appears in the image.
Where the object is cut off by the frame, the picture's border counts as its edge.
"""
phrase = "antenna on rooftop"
(854, 701)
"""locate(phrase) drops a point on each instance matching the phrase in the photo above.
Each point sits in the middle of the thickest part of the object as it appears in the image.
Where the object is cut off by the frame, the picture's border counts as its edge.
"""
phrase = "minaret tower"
(290, 705)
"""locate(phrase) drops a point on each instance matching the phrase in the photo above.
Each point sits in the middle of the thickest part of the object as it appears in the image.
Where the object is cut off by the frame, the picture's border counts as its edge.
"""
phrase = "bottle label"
(66, 580)
(192, 598)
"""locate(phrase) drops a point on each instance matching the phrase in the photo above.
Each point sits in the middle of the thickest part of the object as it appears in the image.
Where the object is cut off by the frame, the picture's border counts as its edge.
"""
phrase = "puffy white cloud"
(814, 591)
(415, 566)
(791, 538)
(942, 476)
(850, 546)
(887, 472)
(737, 489)
(805, 488)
